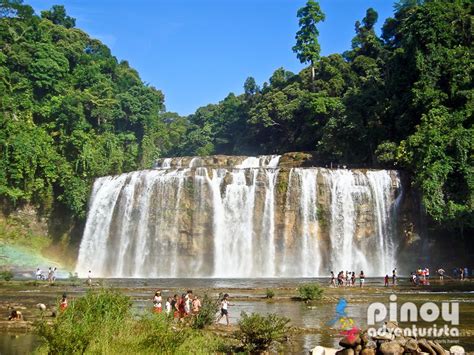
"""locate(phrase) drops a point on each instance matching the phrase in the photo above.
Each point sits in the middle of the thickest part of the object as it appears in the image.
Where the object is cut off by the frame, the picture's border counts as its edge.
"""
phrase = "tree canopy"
(69, 111)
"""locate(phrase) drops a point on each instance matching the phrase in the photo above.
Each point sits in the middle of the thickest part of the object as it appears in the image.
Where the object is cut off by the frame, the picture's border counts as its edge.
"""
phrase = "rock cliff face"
(228, 216)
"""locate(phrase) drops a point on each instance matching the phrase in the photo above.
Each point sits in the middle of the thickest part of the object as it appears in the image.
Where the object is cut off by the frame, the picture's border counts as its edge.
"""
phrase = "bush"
(207, 313)
(269, 293)
(258, 333)
(86, 318)
(160, 334)
(102, 323)
(6, 275)
(73, 279)
(310, 292)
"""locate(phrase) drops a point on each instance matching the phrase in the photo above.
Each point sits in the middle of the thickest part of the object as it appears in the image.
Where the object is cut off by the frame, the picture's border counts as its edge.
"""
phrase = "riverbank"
(310, 320)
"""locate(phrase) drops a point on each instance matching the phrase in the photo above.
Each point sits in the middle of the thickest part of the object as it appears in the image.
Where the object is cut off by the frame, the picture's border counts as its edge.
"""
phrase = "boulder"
(438, 348)
(391, 348)
(364, 338)
(371, 345)
(352, 342)
(358, 349)
(384, 336)
(411, 346)
(425, 347)
(345, 352)
(367, 351)
(456, 350)
(321, 350)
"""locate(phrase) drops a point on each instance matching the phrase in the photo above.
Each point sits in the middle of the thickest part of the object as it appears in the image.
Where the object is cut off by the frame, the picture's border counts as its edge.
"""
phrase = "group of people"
(51, 275)
(180, 307)
(347, 279)
(186, 305)
(394, 278)
(461, 273)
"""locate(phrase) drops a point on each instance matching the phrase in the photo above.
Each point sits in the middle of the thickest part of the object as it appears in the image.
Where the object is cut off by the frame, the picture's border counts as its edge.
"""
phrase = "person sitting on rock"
(63, 305)
(15, 315)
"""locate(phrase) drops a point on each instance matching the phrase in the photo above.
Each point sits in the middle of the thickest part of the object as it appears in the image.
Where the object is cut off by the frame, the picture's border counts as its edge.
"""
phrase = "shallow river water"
(248, 295)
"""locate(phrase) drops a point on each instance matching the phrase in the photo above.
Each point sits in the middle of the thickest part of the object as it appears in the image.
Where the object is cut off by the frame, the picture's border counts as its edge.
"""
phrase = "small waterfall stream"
(246, 217)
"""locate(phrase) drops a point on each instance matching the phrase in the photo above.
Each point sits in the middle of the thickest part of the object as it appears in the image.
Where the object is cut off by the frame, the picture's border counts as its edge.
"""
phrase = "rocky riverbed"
(311, 322)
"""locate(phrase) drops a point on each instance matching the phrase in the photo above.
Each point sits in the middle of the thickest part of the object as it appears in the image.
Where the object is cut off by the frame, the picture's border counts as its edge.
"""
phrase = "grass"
(102, 322)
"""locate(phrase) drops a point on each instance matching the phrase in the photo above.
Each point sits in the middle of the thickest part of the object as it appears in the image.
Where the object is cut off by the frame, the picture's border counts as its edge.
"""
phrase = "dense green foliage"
(103, 323)
(69, 111)
(310, 292)
(258, 333)
(403, 99)
(85, 320)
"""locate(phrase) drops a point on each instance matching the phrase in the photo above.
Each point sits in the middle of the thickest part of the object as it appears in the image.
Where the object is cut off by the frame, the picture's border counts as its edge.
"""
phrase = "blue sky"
(197, 51)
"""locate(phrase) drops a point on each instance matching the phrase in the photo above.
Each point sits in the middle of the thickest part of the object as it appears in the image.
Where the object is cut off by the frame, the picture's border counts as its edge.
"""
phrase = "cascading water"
(240, 217)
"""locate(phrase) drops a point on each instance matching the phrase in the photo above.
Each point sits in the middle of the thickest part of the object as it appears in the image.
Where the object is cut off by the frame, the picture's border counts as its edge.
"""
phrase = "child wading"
(224, 312)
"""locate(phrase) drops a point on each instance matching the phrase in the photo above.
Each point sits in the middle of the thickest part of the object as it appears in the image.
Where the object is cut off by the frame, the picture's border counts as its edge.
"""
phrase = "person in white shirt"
(168, 306)
(224, 311)
(157, 302)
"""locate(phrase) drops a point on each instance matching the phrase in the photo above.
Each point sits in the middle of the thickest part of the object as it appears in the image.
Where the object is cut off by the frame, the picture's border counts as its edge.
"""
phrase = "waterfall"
(241, 217)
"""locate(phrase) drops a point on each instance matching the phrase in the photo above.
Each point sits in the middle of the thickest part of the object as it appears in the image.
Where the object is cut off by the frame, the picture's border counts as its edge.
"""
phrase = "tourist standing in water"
(174, 306)
(361, 278)
(333, 279)
(394, 277)
(353, 278)
(157, 302)
(224, 309)
(441, 273)
(89, 278)
(182, 307)
(386, 280)
(196, 305)
(168, 306)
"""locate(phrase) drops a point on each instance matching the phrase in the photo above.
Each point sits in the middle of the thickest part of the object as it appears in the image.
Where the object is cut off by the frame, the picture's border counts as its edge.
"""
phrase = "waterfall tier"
(241, 217)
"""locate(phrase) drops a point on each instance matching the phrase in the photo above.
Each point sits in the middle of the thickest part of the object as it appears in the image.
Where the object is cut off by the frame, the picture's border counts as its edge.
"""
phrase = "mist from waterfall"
(247, 217)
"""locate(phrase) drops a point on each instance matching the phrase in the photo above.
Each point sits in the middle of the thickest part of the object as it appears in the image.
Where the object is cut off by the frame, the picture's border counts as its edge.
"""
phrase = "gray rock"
(385, 336)
(438, 348)
(371, 345)
(401, 340)
(391, 348)
(425, 347)
(411, 346)
(364, 338)
(349, 343)
(456, 349)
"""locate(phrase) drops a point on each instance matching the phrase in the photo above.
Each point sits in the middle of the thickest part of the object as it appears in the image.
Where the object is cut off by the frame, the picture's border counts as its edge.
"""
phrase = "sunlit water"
(315, 317)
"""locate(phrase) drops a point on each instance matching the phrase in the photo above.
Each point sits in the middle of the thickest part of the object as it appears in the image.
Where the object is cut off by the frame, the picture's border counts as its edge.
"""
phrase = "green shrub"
(6, 275)
(86, 318)
(310, 292)
(207, 313)
(269, 293)
(73, 279)
(102, 323)
(258, 333)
